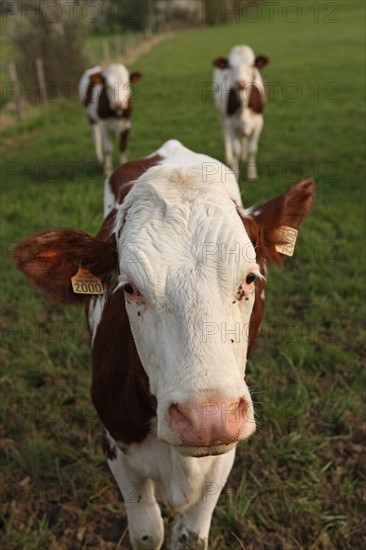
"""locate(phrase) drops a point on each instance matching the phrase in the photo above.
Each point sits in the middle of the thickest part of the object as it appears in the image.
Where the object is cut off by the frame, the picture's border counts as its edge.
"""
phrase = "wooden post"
(89, 53)
(16, 94)
(41, 79)
(106, 52)
(117, 46)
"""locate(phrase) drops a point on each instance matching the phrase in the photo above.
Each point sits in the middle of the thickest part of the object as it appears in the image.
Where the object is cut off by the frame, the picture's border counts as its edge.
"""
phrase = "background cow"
(239, 97)
(168, 378)
(107, 98)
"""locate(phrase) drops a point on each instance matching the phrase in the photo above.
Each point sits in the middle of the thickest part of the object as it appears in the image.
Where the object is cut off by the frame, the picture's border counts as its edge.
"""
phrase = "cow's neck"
(120, 387)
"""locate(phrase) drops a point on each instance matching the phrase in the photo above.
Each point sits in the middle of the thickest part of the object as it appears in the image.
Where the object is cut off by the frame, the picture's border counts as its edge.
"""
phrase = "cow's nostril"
(180, 418)
(243, 410)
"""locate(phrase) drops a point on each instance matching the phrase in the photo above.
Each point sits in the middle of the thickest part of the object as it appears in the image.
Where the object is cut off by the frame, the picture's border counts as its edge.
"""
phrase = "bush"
(54, 32)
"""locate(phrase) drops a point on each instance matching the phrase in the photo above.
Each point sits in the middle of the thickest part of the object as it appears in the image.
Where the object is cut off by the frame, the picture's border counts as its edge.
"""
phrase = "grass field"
(298, 482)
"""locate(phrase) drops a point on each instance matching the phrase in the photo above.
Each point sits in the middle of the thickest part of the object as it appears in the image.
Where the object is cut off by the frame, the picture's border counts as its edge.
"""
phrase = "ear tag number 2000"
(85, 282)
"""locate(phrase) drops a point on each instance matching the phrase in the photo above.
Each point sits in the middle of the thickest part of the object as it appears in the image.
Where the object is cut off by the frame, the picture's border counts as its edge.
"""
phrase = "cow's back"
(172, 153)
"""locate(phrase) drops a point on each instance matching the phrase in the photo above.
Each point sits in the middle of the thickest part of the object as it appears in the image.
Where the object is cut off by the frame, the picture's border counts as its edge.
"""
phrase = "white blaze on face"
(243, 72)
(186, 255)
(118, 86)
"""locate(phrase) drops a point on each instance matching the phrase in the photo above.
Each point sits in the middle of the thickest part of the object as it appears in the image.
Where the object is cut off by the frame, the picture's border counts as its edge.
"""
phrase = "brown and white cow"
(182, 265)
(239, 97)
(107, 98)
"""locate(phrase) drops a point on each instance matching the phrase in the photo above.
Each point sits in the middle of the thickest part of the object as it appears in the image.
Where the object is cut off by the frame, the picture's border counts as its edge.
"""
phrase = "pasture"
(297, 483)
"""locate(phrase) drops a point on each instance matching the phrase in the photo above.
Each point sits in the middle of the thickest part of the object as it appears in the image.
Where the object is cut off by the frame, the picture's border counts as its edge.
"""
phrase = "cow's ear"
(50, 258)
(97, 78)
(272, 227)
(135, 77)
(261, 61)
(221, 63)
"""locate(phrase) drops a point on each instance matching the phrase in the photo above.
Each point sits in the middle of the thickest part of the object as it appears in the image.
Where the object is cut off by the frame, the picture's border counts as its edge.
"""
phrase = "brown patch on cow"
(94, 80)
(105, 232)
(88, 94)
(50, 258)
(105, 110)
(120, 387)
(123, 138)
(233, 102)
(256, 103)
(97, 78)
(257, 312)
(128, 173)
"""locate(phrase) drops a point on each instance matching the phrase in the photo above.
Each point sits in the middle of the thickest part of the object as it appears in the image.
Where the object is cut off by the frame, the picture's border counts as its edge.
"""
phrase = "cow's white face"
(188, 268)
(243, 72)
(117, 86)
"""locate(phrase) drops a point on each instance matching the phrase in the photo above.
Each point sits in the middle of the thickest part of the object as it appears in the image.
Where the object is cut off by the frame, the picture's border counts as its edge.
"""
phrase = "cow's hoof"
(252, 174)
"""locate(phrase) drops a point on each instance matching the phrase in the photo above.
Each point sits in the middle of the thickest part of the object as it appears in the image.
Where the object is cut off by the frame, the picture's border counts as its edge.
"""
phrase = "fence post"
(106, 52)
(117, 46)
(41, 79)
(16, 94)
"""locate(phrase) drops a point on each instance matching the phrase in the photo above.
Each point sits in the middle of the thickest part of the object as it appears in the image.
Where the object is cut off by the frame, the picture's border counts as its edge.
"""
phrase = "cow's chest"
(246, 122)
(117, 125)
(180, 481)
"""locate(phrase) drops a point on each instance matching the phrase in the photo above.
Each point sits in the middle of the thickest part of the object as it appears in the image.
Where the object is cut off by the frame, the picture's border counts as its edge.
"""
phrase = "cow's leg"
(145, 524)
(252, 150)
(107, 149)
(228, 142)
(192, 528)
(123, 139)
(237, 153)
(244, 148)
(97, 139)
(232, 147)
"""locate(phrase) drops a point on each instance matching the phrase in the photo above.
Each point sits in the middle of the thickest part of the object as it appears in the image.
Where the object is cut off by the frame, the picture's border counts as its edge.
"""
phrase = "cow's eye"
(250, 278)
(131, 293)
(128, 288)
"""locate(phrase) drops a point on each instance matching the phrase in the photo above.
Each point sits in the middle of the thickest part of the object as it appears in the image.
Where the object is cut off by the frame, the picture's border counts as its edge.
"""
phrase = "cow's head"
(189, 261)
(243, 73)
(117, 81)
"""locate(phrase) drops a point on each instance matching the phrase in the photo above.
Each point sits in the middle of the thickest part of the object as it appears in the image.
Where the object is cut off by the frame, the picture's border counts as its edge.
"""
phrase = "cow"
(107, 99)
(239, 97)
(178, 270)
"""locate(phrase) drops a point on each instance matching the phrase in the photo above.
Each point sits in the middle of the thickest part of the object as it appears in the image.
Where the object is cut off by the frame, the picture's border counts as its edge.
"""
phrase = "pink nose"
(217, 422)
(119, 105)
(241, 84)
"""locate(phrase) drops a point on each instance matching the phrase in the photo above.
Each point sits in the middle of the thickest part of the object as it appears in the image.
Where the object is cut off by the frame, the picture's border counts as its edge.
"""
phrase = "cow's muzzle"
(241, 84)
(216, 423)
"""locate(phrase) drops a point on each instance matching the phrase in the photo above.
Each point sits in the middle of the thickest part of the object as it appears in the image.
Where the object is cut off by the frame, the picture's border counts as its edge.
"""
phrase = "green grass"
(297, 482)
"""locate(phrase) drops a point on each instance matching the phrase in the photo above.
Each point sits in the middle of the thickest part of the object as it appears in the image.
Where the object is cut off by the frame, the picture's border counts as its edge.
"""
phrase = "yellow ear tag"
(85, 282)
(288, 235)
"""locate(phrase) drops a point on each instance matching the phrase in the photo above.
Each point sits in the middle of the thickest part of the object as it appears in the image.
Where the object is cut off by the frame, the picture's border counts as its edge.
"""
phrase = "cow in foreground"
(107, 98)
(239, 97)
(182, 267)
